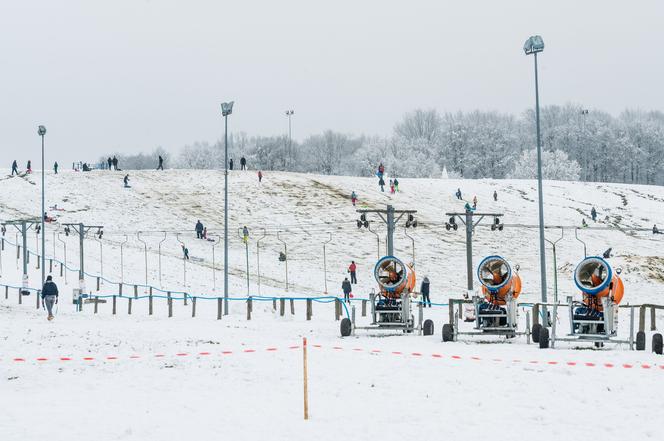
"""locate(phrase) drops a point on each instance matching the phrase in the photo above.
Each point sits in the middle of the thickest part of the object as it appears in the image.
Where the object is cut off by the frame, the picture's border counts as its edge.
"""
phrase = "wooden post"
(96, 304)
(309, 309)
(97, 283)
(150, 304)
(219, 303)
(292, 307)
(129, 306)
(185, 299)
(62, 267)
(337, 309)
(50, 265)
(642, 318)
(6, 292)
(282, 306)
(114, 302)
(150, 290)
(193, 306)
(249, 308)
(135, 291)
(305, 378)
(653, 325)
(274, 304)
(120, 289)
(20, 296)
(170, 307)
(364, 308)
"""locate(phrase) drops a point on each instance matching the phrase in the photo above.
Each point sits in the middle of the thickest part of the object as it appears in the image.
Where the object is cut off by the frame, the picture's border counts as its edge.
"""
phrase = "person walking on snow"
(230, 164)
(199, 230)
(115, 163)
(424, 290)
(352, 269)
(458, 194)
(110, 162)
(49, 296)
(347, 289)
(353, 198)
(126, 181)
(161, 163)
(474, 202)
(260, 176)
(593, 214)
(243, 163)
(14, 167)
(185, 252)
(204, 233)
(29, 167)
(55, 167)
(381, 182)
(495, 196)
(391, 186)
(245, 234)
(396, 185)
(381, 170)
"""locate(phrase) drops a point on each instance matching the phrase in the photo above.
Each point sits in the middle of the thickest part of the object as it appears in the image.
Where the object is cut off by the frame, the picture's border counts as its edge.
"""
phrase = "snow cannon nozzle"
(593, 275)
(494, 272)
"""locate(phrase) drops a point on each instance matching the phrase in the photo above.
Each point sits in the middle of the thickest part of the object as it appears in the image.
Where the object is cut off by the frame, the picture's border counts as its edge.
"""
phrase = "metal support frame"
(159, 253)
(258, 259)
(555, 264)
(576, 236)
(412, 240)
(145, 247)
(122, 244)
(246, 250)
(325, 260)
(184, 260)
(286, 254)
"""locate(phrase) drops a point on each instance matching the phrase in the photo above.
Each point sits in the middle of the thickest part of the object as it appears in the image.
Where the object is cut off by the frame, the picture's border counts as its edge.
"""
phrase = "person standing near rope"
(49, 296)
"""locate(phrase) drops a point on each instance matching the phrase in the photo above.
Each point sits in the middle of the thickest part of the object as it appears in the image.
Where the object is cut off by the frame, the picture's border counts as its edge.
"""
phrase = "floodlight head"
(41, 130)
(227, 108)
(533, 45)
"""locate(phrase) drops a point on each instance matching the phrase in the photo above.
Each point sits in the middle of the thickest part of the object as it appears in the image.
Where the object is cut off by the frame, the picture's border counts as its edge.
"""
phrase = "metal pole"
(64, 262)
(122, 259)
(246, 248)
(377, 241)
(390, 230)
(412, 240)
(160, 242)
(43, 226)
(539, 192)
(469, 251)
(226, 215)
(555, 265)
(325, 260)
(290, 140)
(145, 245)
(214, 276)
(81, 273)
(24, 232)
(286, 254)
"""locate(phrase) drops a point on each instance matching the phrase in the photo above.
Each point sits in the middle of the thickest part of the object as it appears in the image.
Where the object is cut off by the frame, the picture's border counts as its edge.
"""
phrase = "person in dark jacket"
(381, 182)
(185, 252)
(396, 184)
(352, 269)
(424, 290)
(14, 167)
(346, 288)
(29, 167)
(115, 163)
(260, 176)
(199, 230)
(243, 163)
(593, 214)
(655, 230)
(230, 164)
(458, 194)
(495, 195)
(126, 181)
(55, 167)
(110, 162)
(49, 296)
(161, 163)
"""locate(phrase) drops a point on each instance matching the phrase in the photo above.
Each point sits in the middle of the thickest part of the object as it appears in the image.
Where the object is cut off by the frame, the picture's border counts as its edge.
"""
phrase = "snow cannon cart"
(391, 307)
(594, 319)
(495, 312)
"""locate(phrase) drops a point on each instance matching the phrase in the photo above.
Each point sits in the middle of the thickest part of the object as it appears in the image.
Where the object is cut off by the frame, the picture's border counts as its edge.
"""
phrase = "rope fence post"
(97, 283)
(135, 291)
(129, 306)
(219, 312)
(305, 378)
(20, 297)
(170, 305)
(282, 306)
(114, 304)
(653, 325)
(292, 307)
(274, 303)
(150, 310)
(185, 299)
(249, 308)
(193, 306)
(309, 309)
(96, 304)
(364, 308)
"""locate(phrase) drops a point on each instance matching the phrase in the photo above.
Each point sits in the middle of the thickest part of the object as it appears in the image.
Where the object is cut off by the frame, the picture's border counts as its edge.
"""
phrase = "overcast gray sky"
(130, 75)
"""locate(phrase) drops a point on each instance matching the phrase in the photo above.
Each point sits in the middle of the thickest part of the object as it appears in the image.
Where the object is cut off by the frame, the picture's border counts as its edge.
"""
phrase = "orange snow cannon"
(394, 277)
(498, 281)
(596, 280)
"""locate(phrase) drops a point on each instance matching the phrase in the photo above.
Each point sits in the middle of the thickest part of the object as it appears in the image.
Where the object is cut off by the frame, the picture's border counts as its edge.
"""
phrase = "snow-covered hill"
(308, 210)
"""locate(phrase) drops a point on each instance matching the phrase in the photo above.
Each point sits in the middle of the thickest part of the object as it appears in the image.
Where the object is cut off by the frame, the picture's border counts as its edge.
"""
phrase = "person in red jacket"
(352, 269)
(260, 176)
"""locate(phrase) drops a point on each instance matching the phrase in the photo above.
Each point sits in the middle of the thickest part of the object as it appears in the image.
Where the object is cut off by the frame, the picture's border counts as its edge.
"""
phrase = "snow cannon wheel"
(535, 332)
(543, 337)
(427, 328)
(345, 327)
(657, 344)
(448, 332)
(640, 341)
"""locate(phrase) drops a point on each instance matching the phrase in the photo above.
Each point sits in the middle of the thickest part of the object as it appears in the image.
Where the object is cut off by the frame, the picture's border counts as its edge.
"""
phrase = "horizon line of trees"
(577, 144)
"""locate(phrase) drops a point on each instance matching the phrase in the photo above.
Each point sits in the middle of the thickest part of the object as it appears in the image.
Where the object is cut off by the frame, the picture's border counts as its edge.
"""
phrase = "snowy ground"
(243, 379)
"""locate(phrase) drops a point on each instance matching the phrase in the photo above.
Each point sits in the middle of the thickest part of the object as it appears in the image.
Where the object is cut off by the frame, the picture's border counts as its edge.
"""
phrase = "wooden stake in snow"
(306, 381)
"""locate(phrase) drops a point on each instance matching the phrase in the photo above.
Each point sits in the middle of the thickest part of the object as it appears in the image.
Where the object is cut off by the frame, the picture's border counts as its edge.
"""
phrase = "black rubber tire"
(535, 332)
(543, 337)
(640, 341)
(657, 344)
(345, 327)
(448, 332)
(427, 327)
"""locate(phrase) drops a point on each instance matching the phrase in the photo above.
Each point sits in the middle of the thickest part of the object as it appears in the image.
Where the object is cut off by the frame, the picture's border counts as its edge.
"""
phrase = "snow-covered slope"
(308, 210)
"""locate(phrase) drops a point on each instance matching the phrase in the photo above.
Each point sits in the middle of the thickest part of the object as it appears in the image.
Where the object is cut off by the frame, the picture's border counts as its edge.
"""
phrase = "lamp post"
(42, 132)
(226, 109)
(289, 114)
(535, 45)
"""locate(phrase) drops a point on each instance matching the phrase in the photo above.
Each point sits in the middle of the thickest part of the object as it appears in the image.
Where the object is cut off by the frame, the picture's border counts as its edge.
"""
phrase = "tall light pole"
(289, 114)
(226, 109)
(42, 132)
(535, 45)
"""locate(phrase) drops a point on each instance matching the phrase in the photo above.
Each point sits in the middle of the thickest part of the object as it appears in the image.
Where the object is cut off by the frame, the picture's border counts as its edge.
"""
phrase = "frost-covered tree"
(556, 165)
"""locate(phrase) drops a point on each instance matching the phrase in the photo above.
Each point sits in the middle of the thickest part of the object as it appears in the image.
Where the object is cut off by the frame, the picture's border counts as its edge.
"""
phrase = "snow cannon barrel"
(596, 279)
(498, 280)
(394, 277)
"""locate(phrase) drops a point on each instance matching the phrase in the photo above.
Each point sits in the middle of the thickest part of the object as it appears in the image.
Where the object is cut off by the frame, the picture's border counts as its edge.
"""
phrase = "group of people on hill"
(243, 163)
(394, 183)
